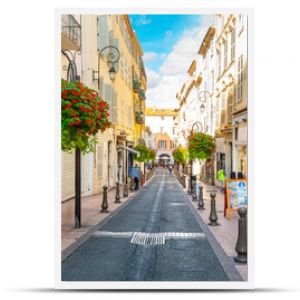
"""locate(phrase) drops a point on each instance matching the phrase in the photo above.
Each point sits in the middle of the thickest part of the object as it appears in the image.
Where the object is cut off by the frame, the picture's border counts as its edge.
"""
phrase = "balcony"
(136, 86)
(70, 33)
(142, 95)
(139, 117)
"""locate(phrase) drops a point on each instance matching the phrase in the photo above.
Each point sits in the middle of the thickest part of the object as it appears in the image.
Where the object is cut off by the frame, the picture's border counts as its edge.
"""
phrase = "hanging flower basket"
(83, 114)
(201, 146)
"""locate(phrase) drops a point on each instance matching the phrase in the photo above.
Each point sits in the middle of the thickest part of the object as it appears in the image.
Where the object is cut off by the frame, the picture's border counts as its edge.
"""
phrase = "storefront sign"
(236, 194)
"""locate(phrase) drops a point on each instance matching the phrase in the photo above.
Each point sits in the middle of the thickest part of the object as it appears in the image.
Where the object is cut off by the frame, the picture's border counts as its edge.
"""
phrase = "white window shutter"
(103, 34)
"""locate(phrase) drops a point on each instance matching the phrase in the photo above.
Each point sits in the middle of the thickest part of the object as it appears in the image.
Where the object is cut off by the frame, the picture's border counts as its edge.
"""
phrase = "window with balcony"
(233, 43)
(240, 80)
(225, 62)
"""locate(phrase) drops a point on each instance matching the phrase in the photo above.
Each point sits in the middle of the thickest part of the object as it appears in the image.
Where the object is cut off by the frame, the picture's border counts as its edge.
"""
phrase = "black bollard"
(213, 217)
(117, 193)
(132, 187)
(241, 245)
(194, 196)
(104, 201)
(183, 181)
(125, 192)
(190, 186)
(201, 202)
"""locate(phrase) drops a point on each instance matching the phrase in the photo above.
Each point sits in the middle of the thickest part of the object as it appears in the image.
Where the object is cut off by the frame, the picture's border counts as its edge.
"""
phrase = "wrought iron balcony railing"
(71, 29)
(139, 117)
(136, 86)
(142, 95)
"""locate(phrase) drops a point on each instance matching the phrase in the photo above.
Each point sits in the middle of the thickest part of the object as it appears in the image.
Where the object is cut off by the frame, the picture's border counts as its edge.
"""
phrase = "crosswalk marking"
(143, 238)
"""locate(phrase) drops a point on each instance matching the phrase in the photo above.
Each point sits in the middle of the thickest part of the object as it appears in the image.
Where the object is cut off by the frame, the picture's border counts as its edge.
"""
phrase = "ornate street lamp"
(112, 57)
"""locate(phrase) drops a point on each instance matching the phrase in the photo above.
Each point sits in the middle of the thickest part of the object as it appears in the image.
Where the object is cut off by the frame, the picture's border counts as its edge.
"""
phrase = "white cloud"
(173, 72)
(149, 56)
(142, 21)
(152, 78)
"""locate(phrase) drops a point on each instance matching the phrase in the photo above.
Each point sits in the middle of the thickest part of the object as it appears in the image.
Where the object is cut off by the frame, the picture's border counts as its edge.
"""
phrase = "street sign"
(236, 195)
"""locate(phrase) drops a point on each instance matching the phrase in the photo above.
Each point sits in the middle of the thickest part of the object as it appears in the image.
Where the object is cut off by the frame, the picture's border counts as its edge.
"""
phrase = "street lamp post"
(73, 76)
(112, 57)
(199, 127)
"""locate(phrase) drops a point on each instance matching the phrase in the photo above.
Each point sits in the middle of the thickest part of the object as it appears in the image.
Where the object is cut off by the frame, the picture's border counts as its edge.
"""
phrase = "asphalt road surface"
(155, 237)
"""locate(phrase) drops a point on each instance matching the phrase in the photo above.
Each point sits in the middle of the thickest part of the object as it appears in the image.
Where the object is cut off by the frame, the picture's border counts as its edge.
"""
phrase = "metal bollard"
(213, 217)
(201, 202)
(125, 192)
(190, 186)
(194, 196)
(131, 184)
(104, 201)
(241, 245)
(117, 193)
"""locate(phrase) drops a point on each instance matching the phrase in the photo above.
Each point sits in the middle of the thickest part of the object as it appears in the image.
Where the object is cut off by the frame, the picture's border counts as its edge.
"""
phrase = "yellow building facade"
(107, 164)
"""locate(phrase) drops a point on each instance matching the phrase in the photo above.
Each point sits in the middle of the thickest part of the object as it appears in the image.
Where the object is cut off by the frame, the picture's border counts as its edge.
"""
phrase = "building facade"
(113, 155)
(215, 95)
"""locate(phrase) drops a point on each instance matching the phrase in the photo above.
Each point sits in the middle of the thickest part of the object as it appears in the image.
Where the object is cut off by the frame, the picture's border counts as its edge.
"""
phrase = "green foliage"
(144, 153)
(180, 155)
(83, 114)
(151, 155)
(201, 146)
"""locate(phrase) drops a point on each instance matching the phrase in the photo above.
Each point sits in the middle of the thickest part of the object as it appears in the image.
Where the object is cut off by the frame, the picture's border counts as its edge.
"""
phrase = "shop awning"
(129, 149)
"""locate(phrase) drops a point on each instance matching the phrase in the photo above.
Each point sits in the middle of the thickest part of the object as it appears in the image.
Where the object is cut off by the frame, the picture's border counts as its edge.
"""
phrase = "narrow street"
(157, 236)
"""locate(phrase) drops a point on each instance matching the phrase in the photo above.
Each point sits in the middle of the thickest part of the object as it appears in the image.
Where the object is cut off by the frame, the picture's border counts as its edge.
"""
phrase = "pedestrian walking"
(170, 169)
(136, 175)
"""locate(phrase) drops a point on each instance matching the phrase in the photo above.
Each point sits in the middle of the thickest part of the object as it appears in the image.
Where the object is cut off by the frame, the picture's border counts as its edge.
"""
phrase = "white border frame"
(174, 285)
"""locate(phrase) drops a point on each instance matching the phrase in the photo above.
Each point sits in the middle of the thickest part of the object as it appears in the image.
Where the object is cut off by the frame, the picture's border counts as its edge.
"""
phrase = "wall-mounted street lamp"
(112, 57)
(203, 100)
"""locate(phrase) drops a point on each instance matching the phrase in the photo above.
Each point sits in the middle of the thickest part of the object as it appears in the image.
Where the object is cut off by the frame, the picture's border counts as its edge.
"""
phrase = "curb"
(225, 261)
(70, 249)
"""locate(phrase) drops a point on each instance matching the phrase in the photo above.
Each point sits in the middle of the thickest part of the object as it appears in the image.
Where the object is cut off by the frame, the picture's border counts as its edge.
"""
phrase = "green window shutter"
(103, 34)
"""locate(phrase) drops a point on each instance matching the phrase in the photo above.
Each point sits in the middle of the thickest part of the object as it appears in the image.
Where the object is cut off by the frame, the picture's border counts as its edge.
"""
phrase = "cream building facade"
(108, 164)
(218, 80)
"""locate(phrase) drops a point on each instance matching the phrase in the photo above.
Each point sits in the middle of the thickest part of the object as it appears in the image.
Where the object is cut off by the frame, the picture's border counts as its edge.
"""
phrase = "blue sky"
(158, 33)
(170, 43)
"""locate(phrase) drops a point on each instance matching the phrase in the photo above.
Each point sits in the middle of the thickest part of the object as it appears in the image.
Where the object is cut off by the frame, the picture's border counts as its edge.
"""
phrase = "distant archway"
(164, 159)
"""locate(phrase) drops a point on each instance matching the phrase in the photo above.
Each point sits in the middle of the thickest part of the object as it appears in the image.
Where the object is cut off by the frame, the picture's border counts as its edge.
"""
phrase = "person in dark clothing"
(136, 178)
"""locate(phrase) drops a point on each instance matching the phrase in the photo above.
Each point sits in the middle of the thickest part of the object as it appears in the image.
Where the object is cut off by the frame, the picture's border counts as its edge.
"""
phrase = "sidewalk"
(90, 215)
(226, 234)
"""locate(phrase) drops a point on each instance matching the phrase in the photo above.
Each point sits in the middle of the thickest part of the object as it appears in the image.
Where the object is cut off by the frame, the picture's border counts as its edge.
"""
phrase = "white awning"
(128, 149)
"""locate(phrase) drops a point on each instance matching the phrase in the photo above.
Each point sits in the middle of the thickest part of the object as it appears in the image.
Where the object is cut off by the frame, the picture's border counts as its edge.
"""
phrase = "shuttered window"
(233, 44)
(240, 79)
(100, 162)
(103, 34)
(229, 107)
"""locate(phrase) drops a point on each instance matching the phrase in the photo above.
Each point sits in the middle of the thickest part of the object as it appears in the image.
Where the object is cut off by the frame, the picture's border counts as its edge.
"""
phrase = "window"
(100, 162)
(162, 144)
(229, 107)
(233, 44)
(241, 23)
(225, 62)
(219, 63)
(240, 79)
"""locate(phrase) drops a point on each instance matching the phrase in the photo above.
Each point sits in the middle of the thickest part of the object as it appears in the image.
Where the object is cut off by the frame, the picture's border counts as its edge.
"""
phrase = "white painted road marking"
(143, 238)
